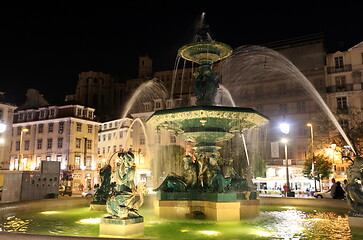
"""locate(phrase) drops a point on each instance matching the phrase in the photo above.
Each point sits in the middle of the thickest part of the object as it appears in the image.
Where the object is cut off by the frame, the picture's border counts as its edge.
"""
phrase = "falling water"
(223, 94)
(146, 92)
(250, 63)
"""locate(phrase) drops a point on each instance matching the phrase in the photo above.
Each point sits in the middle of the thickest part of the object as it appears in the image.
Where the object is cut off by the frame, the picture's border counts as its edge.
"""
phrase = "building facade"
(344, 87)
(6, 120)
(67, 134)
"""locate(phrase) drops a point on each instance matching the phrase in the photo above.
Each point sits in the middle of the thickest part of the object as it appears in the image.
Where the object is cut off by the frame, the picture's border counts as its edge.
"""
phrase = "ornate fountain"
(206, 187)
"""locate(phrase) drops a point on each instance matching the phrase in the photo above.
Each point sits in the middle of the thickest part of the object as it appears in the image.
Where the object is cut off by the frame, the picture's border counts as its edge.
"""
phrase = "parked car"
(323, 194)
(65, 190)
(89, 193)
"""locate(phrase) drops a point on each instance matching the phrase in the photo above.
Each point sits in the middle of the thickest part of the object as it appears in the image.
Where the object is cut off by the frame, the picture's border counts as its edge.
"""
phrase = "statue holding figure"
(125, 172)
(123, 202)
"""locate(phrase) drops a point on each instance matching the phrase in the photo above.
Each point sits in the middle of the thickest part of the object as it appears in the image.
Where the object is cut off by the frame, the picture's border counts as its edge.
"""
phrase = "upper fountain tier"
(206, 52)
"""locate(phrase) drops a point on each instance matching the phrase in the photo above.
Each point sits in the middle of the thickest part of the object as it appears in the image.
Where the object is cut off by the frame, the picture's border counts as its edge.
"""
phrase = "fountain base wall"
(121, 227)
(215, 211)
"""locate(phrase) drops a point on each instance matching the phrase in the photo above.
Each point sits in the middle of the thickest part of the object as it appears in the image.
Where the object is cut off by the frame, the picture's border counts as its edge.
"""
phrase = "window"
(121, 134)
(301, 106)
(157, 105)
(344, 123)
(109, 137)
(142, 140)
(42, 114)
(88, 162)
(172, 139)
(79, 127)
(147, 106)
(60, 143)
(78, 142)
(59, 158)
(52, 112)
(340, 83)
(77, 161)
(103, 150)
(114, 148)
(342, 104)
(39, 143)
(40, 128)
(339, 63)
(89, 128)
(50, 127)
(110, 125)
(26, 145)
(89, 144)
(61, 127)
(18, 131)
(49, 143)
(48, 158)
(104, 137)
(30, 115)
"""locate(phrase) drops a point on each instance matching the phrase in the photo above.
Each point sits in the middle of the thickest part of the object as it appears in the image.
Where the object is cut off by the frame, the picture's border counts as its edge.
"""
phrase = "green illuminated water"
(273, 223)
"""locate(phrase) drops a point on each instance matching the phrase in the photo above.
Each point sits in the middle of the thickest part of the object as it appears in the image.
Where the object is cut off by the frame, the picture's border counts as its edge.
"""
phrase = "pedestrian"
(338, 192)
(285, 189)
(332, 188)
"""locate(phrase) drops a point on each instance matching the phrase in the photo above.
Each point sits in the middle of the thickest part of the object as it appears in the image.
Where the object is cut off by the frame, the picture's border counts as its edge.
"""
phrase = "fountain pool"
(274, 222)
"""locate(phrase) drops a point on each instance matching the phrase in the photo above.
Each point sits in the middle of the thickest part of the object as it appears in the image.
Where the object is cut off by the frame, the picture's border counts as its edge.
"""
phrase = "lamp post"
(20, 158)
(312, 153)
(285, 129)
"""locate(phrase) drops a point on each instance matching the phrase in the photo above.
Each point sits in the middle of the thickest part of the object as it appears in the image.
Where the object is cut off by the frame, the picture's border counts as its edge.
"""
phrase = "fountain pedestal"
(121, 227)
(213, 206)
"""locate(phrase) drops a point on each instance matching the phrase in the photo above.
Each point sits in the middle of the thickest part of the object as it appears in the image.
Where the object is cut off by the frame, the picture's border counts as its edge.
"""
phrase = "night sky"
(46, 47)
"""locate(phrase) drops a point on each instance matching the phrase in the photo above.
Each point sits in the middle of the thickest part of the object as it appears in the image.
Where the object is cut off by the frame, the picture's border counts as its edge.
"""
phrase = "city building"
(67, 134)
(6, 121)
(344, 87)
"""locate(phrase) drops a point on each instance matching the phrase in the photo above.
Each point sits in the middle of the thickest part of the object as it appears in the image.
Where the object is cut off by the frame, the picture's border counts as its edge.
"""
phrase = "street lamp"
(20, 157)
(285, 129)
(312, 153)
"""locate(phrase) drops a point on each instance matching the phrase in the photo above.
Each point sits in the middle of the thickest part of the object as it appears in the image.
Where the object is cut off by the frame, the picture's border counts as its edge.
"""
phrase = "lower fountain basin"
(283, 221)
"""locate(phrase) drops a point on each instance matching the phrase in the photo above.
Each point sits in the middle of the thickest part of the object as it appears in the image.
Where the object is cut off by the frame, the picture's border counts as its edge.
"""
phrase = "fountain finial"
(203, 31)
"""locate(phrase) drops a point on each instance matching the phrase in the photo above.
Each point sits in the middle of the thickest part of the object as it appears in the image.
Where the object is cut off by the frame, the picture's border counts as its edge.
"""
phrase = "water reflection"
(273, 223)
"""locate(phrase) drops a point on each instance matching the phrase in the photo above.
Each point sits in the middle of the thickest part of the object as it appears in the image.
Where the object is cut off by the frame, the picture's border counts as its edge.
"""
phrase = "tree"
(322, 167)
(352, 124)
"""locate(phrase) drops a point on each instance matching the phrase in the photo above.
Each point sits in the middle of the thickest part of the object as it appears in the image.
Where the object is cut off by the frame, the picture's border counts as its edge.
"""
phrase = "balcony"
(344, 68)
